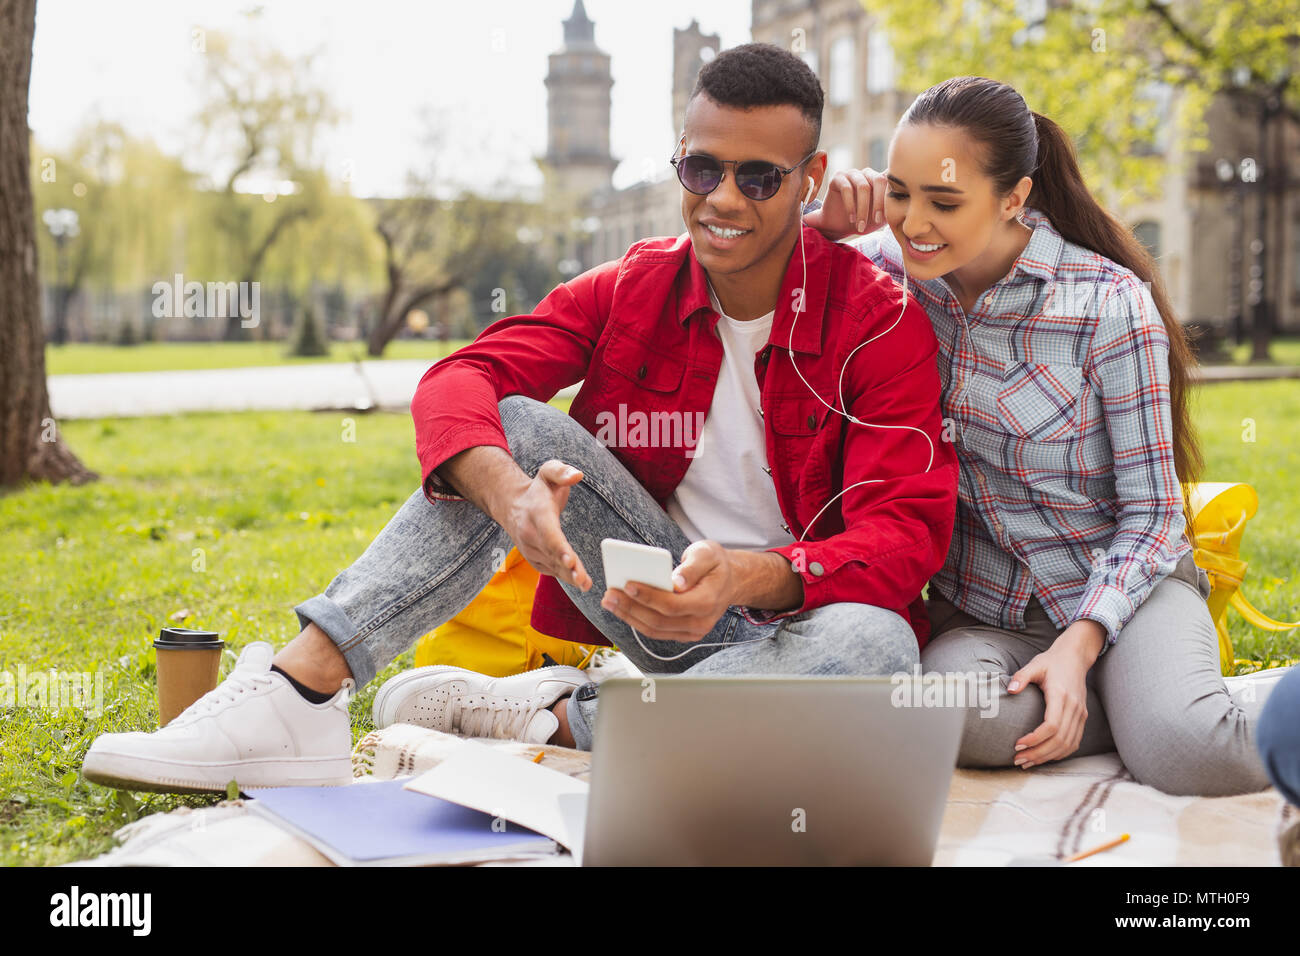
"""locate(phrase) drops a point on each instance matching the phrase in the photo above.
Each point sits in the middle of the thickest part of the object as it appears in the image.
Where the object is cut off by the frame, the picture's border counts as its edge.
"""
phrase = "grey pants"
(431, 560)
(1156, 697)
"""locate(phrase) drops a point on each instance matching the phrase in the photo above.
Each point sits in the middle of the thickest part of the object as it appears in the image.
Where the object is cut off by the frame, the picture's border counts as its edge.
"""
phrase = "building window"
(841, 78)
(878, 154)
(880, 63)
(1160, 96)
(810, 57)
(838, 158)
(1148, 233)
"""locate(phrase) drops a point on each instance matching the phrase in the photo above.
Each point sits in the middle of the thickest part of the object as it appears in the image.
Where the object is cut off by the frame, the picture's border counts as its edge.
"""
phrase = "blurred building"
(1235, 217)
(653, 207)
(1205, 230)
(577, 160)
(592, 222)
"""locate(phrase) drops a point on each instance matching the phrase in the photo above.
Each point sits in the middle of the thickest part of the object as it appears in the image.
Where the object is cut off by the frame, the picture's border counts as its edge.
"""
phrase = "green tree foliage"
(266, 110)
(1097, 67)
(438, 239)
(131, 200)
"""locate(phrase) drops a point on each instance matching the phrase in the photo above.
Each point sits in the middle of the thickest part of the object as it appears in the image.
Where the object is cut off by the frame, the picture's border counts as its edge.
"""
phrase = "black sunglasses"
(755, 178)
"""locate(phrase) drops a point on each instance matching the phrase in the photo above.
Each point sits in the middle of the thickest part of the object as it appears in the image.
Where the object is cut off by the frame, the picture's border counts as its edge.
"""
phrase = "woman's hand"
(701, 595)
(855, 204)
(533, 522)
(1061, 671)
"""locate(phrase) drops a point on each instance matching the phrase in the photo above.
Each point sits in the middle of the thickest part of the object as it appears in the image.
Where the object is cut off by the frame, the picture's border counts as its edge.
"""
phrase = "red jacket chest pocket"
(640, 365)
(806, 441)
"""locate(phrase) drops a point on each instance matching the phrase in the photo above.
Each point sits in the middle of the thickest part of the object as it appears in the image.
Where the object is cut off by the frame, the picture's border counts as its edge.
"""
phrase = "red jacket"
(639, 331)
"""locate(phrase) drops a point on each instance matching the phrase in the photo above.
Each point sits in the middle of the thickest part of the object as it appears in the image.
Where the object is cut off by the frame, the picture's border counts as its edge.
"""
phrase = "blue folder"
(383, 824)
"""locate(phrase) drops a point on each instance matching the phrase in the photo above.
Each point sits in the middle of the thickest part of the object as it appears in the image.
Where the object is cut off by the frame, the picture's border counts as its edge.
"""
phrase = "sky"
(481, 64)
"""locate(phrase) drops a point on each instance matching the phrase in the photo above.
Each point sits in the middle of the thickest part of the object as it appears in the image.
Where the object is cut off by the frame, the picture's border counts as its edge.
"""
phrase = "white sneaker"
(458, 701)
(253, 728)
(1250, 691)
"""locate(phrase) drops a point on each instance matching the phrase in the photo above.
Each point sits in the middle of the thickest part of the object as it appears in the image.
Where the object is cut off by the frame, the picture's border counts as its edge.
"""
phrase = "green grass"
(82, 359)
(278, 503)
(1271, 464)
(1281, 352)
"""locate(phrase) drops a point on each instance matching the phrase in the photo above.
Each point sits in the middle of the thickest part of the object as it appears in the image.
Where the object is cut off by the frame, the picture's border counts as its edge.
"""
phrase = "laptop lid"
(690, 771)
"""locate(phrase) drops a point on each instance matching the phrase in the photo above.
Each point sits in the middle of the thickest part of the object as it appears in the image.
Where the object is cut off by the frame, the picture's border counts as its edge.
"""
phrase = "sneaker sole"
(391, 695)
(164, 776)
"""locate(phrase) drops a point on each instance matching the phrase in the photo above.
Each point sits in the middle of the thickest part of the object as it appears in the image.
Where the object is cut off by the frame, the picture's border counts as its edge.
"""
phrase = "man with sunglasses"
(802, 536)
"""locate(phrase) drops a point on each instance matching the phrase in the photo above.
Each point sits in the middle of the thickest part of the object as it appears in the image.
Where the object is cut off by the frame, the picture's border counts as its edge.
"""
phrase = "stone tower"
(577, 161)
(691, 50)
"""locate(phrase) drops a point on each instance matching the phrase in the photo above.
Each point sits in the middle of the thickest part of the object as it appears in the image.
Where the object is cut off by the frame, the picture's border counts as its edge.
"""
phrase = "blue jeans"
(431, 560)
(1278, 736)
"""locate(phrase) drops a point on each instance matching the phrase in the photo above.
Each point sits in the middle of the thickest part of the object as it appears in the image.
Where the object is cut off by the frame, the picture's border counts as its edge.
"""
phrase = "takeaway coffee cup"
(188, 664)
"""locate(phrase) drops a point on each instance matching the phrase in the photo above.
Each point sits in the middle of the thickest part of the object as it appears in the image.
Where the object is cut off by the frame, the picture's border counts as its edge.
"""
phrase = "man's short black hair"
(763, 74)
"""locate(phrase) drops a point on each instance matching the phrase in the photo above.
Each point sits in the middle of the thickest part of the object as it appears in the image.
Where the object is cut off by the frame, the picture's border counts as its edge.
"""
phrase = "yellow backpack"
(1220, 511)
(492, 634)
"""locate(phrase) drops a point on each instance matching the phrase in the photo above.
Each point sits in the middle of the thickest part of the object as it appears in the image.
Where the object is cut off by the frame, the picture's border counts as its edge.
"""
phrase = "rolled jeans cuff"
(333, 620)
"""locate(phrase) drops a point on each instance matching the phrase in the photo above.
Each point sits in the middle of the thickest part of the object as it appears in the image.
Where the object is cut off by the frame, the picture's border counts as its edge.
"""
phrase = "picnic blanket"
(996, 816)
(993, 817)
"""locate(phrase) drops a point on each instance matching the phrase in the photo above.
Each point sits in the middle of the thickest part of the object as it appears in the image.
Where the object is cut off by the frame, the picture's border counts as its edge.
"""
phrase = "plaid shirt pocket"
(1040, 402)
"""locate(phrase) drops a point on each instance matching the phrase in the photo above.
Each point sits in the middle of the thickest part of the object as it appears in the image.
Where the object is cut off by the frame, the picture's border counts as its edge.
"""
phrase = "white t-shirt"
(725, 495)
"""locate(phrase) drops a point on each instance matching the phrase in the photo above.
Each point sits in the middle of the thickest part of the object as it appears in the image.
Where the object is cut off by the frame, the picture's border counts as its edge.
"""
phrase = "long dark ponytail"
(1019, 142)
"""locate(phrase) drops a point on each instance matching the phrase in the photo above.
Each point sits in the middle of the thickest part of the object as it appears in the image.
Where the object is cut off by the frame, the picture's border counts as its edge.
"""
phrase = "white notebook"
(505, 786)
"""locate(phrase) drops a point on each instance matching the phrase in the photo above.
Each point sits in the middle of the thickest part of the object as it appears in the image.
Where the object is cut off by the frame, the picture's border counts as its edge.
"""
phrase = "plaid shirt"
(1056, 392)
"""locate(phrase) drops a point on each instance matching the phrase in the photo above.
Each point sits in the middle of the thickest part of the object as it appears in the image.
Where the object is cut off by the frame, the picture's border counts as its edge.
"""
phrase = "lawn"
(81, 359)
(1281, 352)
(274, 504)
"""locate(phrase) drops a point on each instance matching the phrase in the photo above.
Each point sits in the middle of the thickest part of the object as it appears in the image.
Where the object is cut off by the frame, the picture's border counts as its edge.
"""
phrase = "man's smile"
(723, 235)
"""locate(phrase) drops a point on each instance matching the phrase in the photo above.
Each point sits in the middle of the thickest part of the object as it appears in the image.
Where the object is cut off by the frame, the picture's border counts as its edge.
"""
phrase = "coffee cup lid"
(183, 639)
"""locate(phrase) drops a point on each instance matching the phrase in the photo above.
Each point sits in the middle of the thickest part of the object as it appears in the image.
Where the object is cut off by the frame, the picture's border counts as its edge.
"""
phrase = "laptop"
(767, 771)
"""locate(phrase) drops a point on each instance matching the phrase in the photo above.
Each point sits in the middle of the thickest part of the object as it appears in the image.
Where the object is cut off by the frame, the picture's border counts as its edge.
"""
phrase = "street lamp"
(63, 225)
(1227, 173)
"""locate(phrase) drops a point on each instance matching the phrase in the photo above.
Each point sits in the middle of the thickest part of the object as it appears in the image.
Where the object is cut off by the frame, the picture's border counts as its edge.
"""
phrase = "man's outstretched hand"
(532, 520)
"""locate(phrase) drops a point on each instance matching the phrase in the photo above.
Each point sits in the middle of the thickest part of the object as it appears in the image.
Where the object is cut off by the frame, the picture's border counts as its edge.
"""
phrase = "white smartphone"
(628, 561)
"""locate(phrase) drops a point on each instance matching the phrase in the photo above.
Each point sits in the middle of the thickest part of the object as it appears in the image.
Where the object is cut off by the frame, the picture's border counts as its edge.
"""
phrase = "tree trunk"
(30, 446)
(396, 307)
(236, 331)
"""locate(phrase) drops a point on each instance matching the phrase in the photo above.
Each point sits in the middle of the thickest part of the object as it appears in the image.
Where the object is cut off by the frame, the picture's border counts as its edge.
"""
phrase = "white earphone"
(842, 411)
(807, 198)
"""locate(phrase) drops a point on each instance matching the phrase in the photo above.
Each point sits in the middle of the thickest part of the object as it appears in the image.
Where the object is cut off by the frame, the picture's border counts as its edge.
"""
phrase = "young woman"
(1065, 387)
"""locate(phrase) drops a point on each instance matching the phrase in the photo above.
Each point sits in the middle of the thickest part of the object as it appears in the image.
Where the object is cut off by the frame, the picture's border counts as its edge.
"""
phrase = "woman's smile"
(924, 251)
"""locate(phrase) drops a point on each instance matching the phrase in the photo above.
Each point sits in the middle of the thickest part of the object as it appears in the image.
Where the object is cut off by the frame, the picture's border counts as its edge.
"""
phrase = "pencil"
(1097, 849)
